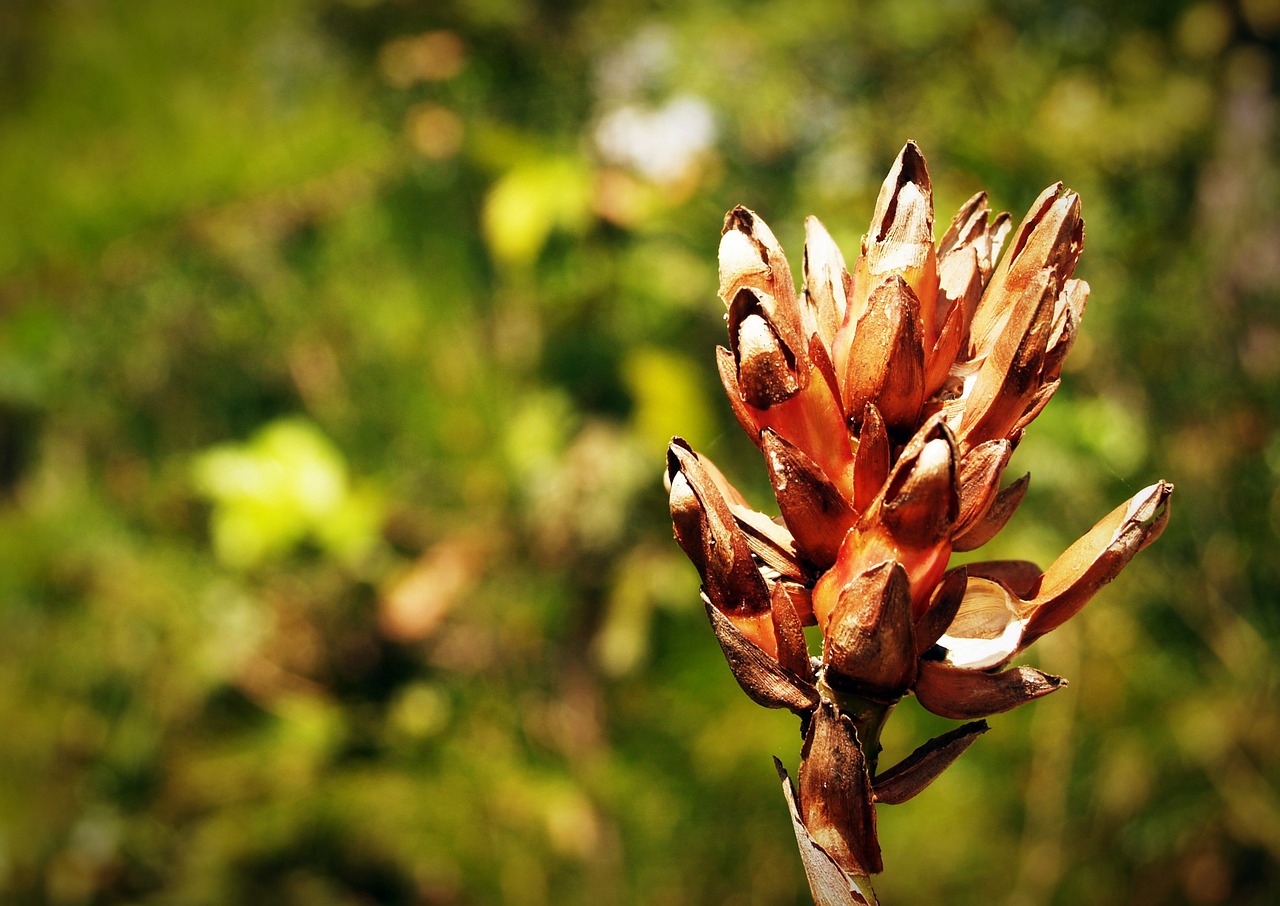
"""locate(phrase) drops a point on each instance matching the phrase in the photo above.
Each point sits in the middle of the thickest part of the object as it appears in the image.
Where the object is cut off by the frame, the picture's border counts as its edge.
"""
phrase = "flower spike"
(887, 401)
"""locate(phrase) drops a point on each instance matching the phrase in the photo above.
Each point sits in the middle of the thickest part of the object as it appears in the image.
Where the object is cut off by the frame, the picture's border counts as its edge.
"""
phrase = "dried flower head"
(887, 402)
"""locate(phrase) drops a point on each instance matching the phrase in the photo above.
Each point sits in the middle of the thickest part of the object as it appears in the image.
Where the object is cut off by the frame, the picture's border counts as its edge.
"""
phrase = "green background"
(339, 346)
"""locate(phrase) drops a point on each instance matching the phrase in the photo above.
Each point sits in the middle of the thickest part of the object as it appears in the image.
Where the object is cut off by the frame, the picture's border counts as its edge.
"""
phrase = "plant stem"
(867, 714)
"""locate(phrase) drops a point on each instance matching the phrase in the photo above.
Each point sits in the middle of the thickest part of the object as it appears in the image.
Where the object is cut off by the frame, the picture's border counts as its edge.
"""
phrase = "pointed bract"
(900, 240)
(942, 609)
(871, 464)
(826, 280)
(835, 793)
(885, 363)
(793, 649)
(1010, 376)
(765, 681)
(828, 883)
(1098, 557)
(995, 518)
(1050, 237)
(960, 694)
(909, 777)
(709, 535)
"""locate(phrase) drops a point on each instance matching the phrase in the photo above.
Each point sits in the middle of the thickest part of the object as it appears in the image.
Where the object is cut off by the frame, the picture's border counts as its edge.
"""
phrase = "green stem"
(867, 714)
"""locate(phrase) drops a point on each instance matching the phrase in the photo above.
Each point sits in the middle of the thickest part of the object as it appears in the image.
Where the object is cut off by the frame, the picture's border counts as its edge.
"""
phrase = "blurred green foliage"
(339, 344)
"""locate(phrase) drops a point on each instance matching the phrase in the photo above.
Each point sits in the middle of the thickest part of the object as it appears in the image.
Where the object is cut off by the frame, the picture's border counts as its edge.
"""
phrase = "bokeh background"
(340, 341)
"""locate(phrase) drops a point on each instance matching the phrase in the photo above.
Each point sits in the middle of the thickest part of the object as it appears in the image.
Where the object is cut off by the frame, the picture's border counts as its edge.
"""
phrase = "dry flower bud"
(869, 647)
(812, 507)
(711, 538)
(767, 392)
(952, 337)
(1066, 325)
(788, 627)
(750, 256)
(920, 503)
(1010, 377)
(754, 275)
(1050, 237)
(900, 241)
(885, 361)
(888, 402)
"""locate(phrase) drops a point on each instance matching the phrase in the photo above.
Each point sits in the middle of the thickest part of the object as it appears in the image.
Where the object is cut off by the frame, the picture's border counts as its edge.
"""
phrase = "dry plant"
(887, 402)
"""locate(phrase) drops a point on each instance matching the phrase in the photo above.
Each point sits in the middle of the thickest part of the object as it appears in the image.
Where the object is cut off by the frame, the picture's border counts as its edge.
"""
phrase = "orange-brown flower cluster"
(887, 402)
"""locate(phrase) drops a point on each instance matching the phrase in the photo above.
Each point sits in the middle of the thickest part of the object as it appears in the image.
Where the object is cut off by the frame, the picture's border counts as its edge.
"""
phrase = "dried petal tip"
(750, 256)
(826, 279)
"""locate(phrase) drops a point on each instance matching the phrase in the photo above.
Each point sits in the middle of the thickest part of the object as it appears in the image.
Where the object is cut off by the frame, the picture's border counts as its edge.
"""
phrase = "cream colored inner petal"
(987, 631)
